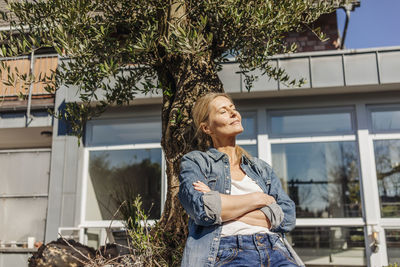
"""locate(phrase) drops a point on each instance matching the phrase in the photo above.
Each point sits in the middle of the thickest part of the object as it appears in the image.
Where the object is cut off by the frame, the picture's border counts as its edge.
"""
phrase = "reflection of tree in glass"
(333, 189)
(344, 185)
(114, 185)
(387, 155)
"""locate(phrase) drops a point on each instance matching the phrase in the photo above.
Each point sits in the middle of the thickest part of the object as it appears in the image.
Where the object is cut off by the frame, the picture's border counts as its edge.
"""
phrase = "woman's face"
(223, 119)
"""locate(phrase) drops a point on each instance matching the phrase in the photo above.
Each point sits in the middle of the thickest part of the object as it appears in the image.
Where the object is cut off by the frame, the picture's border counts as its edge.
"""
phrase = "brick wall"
(307, 41)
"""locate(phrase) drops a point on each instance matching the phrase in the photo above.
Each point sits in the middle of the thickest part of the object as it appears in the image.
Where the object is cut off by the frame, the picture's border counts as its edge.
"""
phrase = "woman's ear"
(205, 128)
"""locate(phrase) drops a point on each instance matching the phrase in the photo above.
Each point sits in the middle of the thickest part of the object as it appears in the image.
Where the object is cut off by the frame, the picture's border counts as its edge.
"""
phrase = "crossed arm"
(244, 208)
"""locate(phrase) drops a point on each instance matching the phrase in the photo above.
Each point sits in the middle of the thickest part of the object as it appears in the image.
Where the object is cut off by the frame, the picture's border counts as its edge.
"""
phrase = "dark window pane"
(12, 115)
(393, 246)
(311, 123)
(386, 120)
(387, 161)
(252, 149)
(323, 246)
(42, 113)
(249, 126)
(321, 178)
(116, 176)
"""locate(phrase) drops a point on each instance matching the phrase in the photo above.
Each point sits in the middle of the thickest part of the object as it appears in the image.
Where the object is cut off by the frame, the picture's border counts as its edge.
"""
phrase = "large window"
(124, 160)
(322, 178)
(385, 135)
(385, 126)
(116, 176)
(387, 160)
(314, 153)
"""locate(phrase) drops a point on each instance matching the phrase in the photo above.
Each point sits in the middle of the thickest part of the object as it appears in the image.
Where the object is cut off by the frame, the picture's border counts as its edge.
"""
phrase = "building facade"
(334, 143)
(25, 154)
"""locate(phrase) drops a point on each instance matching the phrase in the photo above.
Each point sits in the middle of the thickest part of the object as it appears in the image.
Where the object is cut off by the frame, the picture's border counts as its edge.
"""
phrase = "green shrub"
(151, 245)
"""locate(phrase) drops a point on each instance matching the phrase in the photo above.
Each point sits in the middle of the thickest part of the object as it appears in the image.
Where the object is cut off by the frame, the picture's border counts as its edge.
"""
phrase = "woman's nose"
(233, 112)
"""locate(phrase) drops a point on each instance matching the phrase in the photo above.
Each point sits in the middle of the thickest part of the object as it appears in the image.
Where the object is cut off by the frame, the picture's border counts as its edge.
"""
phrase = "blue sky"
(375, 23)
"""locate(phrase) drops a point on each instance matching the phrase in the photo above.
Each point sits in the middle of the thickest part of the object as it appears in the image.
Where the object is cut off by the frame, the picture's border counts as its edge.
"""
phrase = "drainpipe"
(28, 110)
(346, 24)
(347, 8)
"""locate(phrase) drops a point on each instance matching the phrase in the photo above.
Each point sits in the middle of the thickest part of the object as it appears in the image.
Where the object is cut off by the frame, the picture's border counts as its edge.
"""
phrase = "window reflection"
(251, 149)
(393, 246)
(119, 132)
(321, 178)
(116, 176)
(249, 126)
(311, 123)
(386, 120)
(324, 246)
(387, 160)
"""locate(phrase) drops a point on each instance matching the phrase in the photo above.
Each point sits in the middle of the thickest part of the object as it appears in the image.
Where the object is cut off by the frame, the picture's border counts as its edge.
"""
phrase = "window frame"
(317, 138)
(362, 135)
(376, 108)
(311, 111)
(85, 175)
(112, 121)
(387, 223)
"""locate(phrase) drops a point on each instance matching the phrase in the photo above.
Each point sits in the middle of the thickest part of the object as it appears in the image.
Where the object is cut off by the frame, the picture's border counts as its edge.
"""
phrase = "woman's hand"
(264, 198)
(201, 187)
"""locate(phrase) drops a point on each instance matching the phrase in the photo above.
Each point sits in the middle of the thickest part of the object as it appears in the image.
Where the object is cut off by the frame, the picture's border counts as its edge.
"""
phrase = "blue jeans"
(253, 250)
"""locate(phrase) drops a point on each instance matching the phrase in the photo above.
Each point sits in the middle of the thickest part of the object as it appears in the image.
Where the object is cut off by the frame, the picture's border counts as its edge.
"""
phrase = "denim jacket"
(213, 169)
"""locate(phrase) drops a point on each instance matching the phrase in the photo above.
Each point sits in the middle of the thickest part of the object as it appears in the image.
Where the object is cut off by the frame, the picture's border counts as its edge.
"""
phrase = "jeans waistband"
(249, 241)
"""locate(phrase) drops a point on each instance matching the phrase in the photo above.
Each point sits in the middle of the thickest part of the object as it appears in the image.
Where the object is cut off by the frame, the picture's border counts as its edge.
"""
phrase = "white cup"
(31, 242)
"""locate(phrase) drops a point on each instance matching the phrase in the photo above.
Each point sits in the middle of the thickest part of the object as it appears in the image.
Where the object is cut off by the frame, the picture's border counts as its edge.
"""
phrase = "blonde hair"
(200, 114)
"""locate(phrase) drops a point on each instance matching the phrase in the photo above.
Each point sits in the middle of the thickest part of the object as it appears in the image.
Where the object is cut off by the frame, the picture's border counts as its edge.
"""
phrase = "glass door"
(384, 124)
(314, 152)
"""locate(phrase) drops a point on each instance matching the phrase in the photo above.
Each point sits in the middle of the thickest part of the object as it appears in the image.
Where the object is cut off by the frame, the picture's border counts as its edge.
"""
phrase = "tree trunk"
(184, 80)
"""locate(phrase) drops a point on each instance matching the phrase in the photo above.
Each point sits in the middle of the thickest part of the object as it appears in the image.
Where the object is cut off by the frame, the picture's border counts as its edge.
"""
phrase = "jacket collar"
(246, 160)
(217, 155)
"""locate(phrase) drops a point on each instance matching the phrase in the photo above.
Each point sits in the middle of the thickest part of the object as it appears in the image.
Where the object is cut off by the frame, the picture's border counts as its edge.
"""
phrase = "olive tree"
(125, 47)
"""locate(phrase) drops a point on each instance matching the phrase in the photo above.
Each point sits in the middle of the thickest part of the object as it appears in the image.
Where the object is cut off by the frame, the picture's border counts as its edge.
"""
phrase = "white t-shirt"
(245, 186)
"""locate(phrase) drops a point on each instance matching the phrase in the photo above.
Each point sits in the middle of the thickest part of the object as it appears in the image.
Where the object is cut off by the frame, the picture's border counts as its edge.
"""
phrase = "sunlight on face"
(224, 120)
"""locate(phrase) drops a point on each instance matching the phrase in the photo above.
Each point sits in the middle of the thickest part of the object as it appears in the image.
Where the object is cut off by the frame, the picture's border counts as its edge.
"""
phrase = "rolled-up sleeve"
(287, 205)
(212, 205)
(274, 214)
(204, 209)
(288, 221)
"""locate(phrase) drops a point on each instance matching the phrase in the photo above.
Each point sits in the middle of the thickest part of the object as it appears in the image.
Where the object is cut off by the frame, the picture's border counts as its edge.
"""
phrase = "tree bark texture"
(184, 79)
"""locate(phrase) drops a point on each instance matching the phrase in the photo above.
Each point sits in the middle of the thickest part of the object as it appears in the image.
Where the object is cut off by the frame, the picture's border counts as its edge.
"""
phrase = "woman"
(236, 203)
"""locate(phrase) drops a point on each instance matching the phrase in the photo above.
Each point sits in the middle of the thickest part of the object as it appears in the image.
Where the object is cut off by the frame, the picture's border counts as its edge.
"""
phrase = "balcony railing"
(42, 65)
